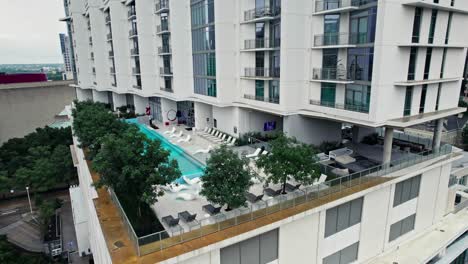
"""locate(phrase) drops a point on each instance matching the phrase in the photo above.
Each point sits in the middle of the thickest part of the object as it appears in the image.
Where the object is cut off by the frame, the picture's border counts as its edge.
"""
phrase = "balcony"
(111, 54)
(109, 37)
(348, 107)
(261, 14)
(112, 70)
(136, 71)
(162, 7)
(169, 90)
(164, 50)
(132, 33)
(336, 6)
(261, 44)
(92, 56)
(273, 100)
(107, 19)
(331, 75)
(261, 73)
(163, 28)
(165, 71)
(131, 14)
(134, 52)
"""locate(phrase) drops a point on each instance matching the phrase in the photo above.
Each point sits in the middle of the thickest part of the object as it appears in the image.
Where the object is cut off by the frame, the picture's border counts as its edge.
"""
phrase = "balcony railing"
(261, 43)
(133, 32)
(135, 71)
(335, 4)
(311, 196)
(109, 36)
(349, 107)
(131, 13)
(164, 50)
(162, 6)
(273, 100)
(112, 70)
(169, 90)
(111, 53)
(262, 72)
(134, 51)
(257, 13)
(165, 70)
(108, 19)
(335, 39)
(332, 74)
(162, 28)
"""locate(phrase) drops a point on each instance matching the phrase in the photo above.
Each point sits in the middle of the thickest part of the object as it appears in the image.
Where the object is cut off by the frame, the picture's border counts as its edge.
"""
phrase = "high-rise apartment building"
(308, 69)
(67, 56)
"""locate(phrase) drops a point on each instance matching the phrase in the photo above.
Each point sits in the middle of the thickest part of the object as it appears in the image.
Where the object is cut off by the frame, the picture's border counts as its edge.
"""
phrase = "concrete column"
(355, 130)
(387, 149)
(437, 135)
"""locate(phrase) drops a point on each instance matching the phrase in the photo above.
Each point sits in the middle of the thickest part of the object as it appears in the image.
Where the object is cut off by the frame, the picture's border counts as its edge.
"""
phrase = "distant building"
(6, 78)
(53, 237)
(67, 56)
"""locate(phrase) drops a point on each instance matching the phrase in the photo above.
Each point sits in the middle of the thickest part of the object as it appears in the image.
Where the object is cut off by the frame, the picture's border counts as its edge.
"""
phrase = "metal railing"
(135, 70)
(261, 13)
(331, 39)
(426, 142)
(273, 100)
(162, 28)
(111, 53)
(208, 225)
(348, 107)
(169, 90)
(460, 206)
(326, 5)
(134, 51)
(261, 43)
(165, 70)
(164, 49)
(109, 36)
(161, 6)
(133, 32)
(112, 70)
(262, 72)
(330, 74)
(107, 19)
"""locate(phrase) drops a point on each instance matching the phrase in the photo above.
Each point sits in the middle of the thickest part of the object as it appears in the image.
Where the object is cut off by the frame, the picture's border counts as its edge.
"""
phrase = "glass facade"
(422, 103)
(442, 68)
(274, 90)
(360, 63)
(328, 94)
(417, 24)
(362, 26)
(432, 26)
(408, 101)
(203, 47)
(449, 26)
(358, 97)
(427, 64)
(412, 63)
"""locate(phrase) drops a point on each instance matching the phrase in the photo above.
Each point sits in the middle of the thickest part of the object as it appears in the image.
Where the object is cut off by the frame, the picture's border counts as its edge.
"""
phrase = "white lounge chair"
(210, 148)
(175, 188)
(191, 181)
(263, 153)
(184, 140)
(255, 154)
(170, 132)
(228, 140)
(321, 180)
(221, 139)
(233, 142)
(340, 152)
(177, 134)
(186, 196)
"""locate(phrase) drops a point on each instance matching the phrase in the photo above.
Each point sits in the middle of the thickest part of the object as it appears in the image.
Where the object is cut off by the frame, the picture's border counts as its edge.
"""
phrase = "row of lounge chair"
(188, 217)
(174, 134)
(257, 153)
(218, 137)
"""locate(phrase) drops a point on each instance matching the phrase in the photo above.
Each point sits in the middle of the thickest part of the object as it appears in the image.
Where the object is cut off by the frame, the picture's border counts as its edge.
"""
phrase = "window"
(432, 26)
(331, 29)
(452, 3)
(329, 64)
(406, 190)
(327, 95)
(412, 63)
(442, 68)
(259, 30)
(362, 26)
(360, 64)
(357, 98)
(402, 227)
(408, 101)
(449, 26)
(346, 255)
(422, 103)
(259, 89)
(427, 64)
(438, 96)
(417, 24)
(343, 216)
(260, 59)
(274, 91)
(261, 249)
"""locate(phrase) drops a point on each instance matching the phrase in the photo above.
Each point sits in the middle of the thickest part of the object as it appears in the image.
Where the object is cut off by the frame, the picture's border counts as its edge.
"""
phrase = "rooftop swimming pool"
(189, 167)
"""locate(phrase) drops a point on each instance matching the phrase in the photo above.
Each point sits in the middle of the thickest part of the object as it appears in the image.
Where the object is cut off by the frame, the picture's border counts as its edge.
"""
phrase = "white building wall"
(312, 131)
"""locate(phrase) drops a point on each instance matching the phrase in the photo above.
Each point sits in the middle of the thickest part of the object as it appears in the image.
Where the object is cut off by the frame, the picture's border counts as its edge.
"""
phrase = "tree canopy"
(41, 160)
(227, 178)
(289, 159)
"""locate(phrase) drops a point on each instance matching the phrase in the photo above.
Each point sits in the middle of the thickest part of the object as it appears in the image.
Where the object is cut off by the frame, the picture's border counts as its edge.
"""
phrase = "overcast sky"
(29, 31)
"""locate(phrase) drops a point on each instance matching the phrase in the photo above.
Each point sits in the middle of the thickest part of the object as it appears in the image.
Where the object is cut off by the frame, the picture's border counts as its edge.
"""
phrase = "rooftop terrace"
(363, 172)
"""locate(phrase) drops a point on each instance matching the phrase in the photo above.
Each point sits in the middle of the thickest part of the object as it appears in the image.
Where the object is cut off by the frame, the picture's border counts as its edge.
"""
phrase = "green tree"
(134, 165)
(289, 159)
(227, 178)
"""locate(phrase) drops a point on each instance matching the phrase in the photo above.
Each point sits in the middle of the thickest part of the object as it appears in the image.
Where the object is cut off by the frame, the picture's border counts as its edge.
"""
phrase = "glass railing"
(165, 70)
(132, 32)
(257, 13)
(332, 74)
(162, 28)
(336, 188)
(348, 107)
(334, 39)
(274, 100)
(162, 5)
(261, 43)
(262, 72)
(326, 5)
(164, 49)
(135, 70)
(165, 89)
(109, 36)
(134, 51)
(131, 13)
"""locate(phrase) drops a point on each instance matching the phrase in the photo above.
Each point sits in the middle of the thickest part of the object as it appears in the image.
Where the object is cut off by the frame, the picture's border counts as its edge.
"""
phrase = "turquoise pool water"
(189, 167)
